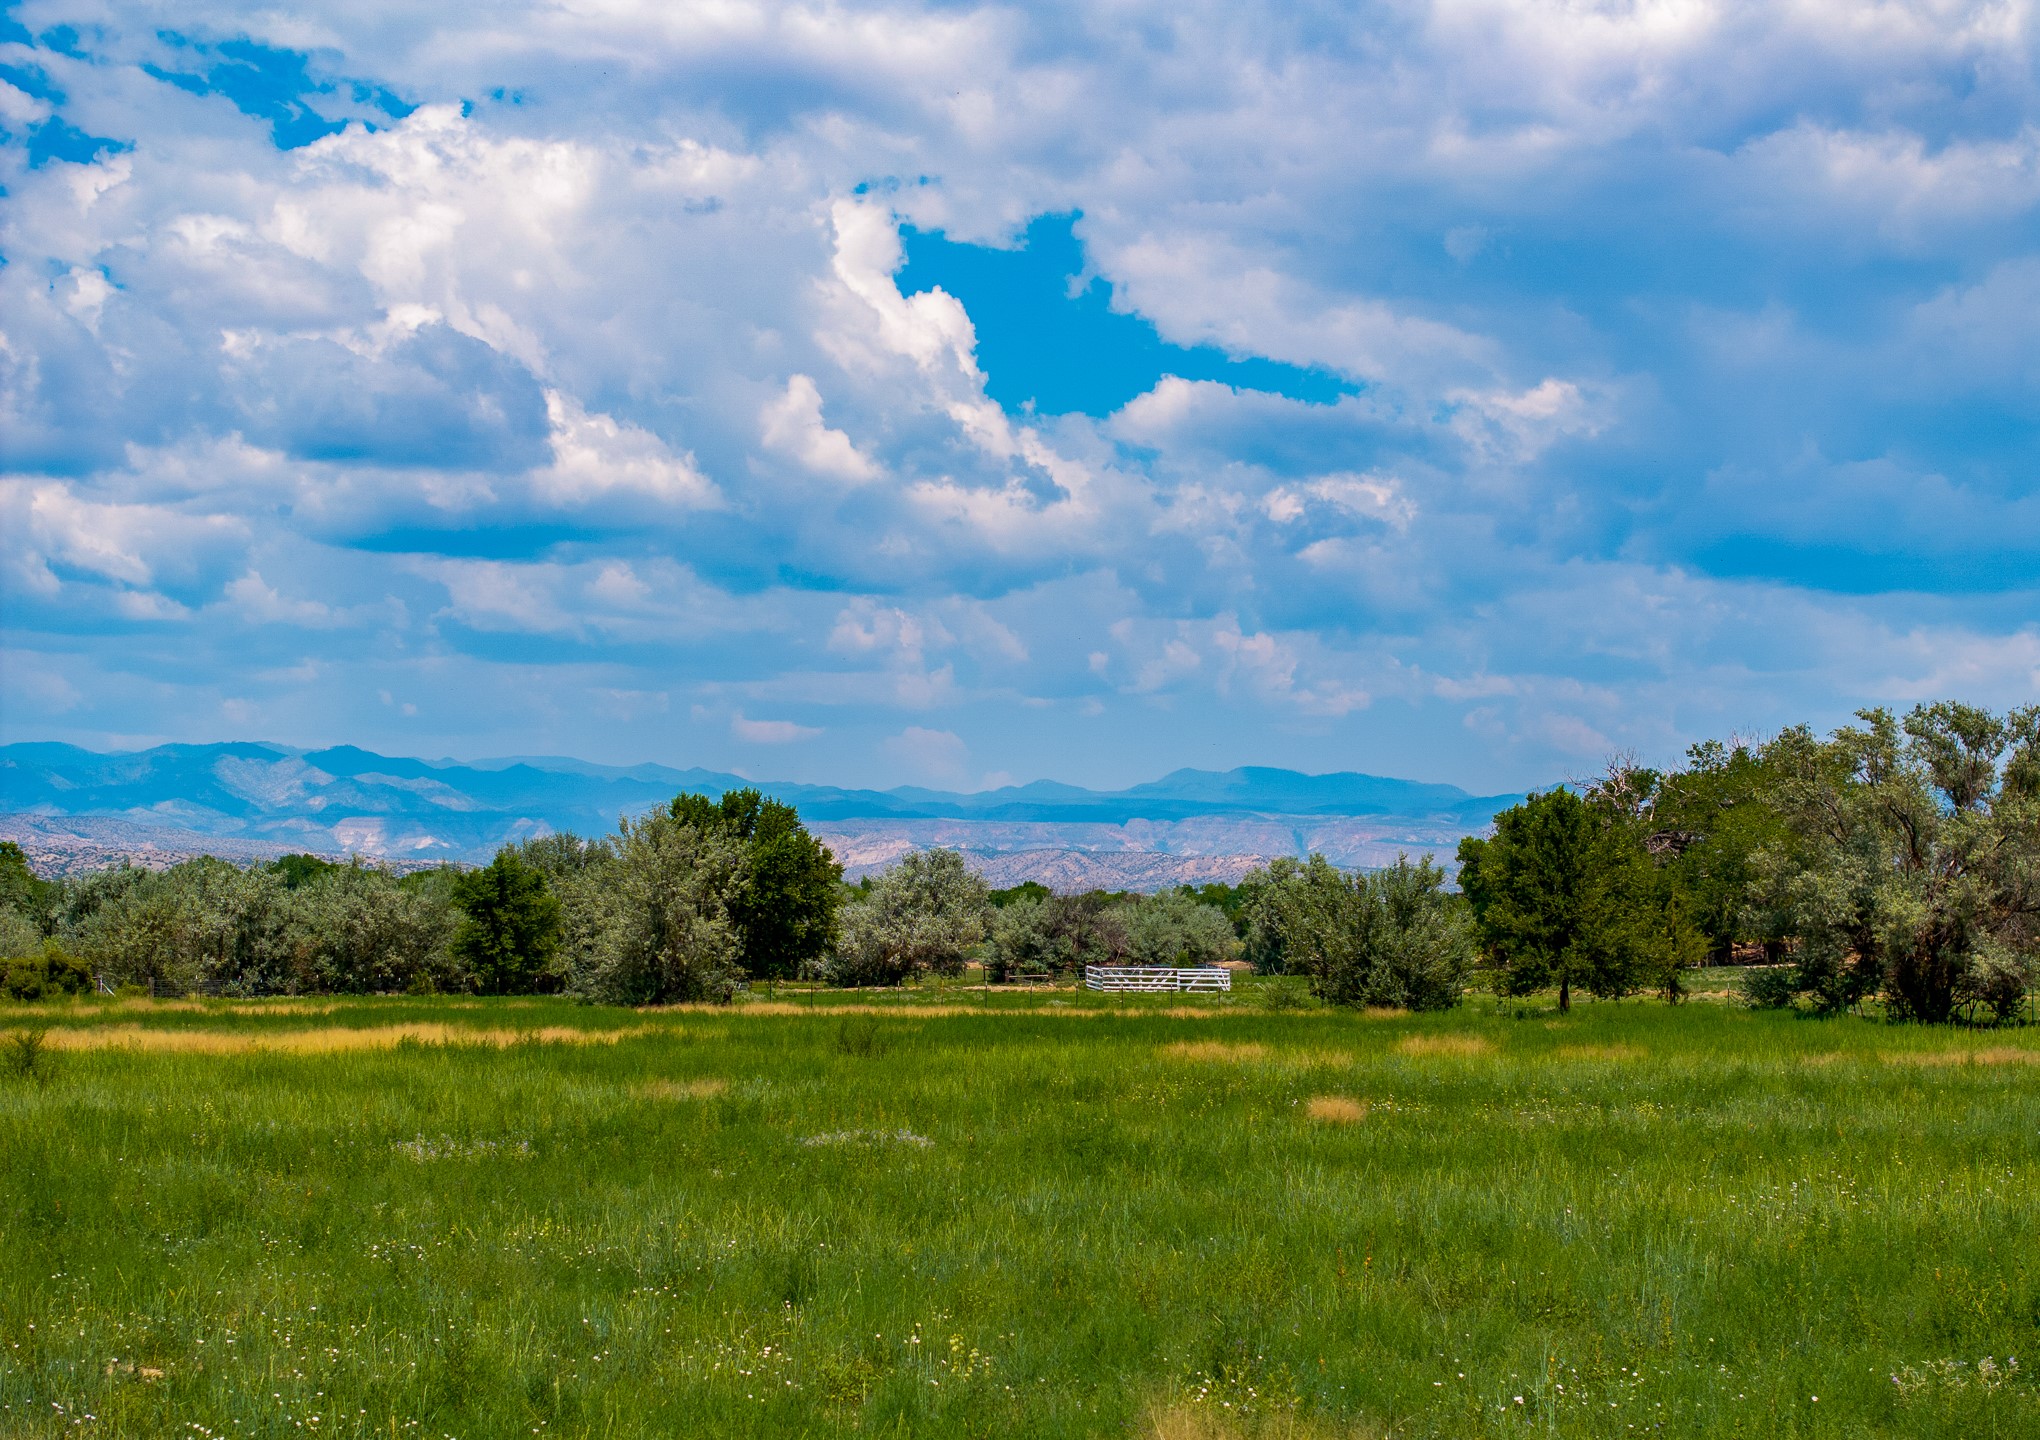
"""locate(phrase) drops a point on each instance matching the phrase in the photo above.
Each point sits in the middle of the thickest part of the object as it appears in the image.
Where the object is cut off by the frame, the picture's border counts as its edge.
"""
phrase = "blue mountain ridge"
(451, 807)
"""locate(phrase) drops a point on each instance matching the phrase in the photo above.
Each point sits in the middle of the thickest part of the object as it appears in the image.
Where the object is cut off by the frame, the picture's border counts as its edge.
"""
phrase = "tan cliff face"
(1138, 855)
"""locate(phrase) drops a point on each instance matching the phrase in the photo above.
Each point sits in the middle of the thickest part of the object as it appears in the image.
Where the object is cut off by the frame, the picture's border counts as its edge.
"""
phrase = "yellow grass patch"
(1996, 1055)
(325, 1041)
(282, 1007)
(1461, 1045)
(1217, 1051)
(706, 1087)
(1601, 1052)
(906, 1010)
(1209, 1421)
(1337, 1109)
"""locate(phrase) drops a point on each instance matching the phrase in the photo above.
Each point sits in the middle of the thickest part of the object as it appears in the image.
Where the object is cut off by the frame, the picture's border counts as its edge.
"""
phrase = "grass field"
(1029, 1215)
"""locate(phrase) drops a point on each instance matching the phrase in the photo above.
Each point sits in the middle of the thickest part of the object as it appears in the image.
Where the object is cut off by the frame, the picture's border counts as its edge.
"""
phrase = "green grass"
(1033, 1215)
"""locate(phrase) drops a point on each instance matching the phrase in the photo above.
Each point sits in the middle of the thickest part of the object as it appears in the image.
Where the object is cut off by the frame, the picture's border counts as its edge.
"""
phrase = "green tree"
(298, 870)
(1393, 937)
(652, 925)
(785, 908)
(926, 913)
(1553, 893)
(1914, 866)
(509, 931)
(24, 892)
(1175, 928)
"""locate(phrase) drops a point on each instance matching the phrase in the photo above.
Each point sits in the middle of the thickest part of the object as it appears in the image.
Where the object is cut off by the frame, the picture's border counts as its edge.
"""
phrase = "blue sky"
(946, 394)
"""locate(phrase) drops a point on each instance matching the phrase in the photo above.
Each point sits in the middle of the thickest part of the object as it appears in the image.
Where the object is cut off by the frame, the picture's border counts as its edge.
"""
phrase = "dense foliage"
(1897, 859)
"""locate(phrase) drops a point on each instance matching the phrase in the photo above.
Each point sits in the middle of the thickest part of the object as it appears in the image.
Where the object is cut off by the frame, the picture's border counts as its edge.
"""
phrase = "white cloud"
(595, 455)
(793, 424)
(1613, 287)
(769, 732)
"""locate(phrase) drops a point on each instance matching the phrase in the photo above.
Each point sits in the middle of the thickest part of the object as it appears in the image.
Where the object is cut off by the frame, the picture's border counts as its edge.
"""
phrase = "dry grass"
(1994, 1055)
(1602, 1052)
(1217, 1051)
(905, 1011)
(1337, 1109)
(1455, 1045)
(705, 1087)
(1207, 1421)
(325, 1041)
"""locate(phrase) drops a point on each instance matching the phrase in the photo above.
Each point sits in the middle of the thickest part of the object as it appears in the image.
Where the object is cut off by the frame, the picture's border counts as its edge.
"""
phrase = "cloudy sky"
(947, 393)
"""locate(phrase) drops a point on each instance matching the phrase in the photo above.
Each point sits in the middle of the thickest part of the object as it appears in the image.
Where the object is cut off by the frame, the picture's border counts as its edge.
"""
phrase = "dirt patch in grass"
(1601, 1052)
(705, 1087)
(325, 1041)
(1460, 1045)
(1217, 1051)
(1337, 1109)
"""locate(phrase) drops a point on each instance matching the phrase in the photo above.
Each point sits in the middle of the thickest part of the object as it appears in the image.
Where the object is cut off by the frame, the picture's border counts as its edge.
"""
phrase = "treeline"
(690, 903)
(1895, 860)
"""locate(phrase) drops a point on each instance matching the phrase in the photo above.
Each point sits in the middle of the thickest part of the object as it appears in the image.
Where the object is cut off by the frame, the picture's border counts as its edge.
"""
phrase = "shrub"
(1175, 928)
(1770, 987)
(1056, 934)
(46, 973)
(1394, 937)
(359, 930)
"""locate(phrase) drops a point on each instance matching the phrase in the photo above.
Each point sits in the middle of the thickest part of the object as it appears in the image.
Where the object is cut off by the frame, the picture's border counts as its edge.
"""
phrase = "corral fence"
(1152, 977)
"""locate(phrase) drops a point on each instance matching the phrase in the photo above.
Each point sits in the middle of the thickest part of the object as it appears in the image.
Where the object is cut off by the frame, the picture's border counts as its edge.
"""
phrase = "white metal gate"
(1148, 977)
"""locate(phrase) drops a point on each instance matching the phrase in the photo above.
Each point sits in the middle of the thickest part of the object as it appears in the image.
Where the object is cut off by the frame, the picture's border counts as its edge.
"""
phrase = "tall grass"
(1013, 1216)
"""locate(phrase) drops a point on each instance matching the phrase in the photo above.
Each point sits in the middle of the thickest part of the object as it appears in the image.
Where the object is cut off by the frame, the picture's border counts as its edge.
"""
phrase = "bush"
(47, 973)
(204, 924)
(1175, 928)
(1394, 937)
(358, 930)
(1770, 987)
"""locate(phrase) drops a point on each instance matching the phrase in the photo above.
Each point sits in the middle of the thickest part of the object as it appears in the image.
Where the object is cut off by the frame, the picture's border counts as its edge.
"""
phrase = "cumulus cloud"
(581, 371)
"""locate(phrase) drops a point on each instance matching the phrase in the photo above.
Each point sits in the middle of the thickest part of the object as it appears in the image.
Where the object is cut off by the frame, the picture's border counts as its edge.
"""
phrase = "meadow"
(953, 1213)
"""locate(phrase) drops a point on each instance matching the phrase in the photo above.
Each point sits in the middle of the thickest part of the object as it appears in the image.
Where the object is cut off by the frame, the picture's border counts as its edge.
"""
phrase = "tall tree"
(1550, 892)
(785, 908)
(510, 930)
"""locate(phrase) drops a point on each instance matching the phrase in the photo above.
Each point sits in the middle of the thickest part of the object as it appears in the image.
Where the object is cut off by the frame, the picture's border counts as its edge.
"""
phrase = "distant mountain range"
(264, 798)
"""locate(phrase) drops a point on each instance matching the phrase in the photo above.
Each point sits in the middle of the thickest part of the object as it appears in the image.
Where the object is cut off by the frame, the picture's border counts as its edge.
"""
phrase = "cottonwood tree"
(653, 924)
(926, 913)
(1916, 867)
